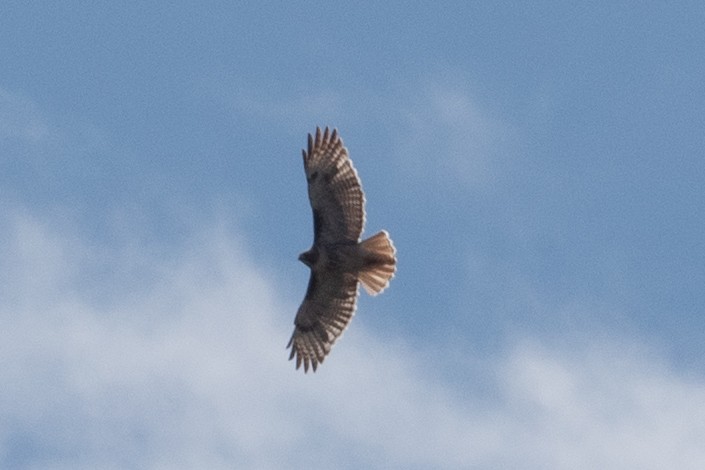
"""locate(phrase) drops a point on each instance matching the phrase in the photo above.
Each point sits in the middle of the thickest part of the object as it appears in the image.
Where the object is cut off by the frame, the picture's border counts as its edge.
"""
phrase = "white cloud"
(447, 135)
(190, 371)
(608, 405)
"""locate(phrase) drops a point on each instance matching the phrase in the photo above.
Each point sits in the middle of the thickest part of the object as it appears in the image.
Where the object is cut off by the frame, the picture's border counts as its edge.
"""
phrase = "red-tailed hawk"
(337, 259)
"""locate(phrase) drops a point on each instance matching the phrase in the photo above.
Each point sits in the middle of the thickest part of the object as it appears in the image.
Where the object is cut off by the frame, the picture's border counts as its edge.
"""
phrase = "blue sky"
(538, 165)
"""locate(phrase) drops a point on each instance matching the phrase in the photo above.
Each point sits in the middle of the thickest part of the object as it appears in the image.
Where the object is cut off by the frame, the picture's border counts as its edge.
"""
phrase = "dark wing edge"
(334, 189)
(324, 314)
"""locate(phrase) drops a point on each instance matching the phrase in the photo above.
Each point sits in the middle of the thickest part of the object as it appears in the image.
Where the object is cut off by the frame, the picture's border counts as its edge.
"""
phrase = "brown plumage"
(337, 259)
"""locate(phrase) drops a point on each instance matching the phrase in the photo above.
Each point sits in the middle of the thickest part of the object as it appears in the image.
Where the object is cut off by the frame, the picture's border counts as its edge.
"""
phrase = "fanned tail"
(380, 262)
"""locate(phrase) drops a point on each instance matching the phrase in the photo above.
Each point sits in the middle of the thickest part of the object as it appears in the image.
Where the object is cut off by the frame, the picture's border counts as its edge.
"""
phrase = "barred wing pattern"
(334, 190)
(327, 309)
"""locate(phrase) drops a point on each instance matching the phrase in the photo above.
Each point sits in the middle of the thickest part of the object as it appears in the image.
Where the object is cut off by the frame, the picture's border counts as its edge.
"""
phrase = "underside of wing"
(326, 311)
(334, 189)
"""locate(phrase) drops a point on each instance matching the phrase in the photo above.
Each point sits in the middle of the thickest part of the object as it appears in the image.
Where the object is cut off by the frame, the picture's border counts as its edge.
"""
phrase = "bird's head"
(308, 257)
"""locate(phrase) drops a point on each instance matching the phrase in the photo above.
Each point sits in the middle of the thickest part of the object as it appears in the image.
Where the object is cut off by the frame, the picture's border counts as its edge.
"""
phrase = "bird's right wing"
(334, 190)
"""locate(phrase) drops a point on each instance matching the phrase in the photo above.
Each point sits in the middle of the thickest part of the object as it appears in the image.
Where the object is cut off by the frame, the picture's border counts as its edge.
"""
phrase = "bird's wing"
(327, 309)
(334, 190)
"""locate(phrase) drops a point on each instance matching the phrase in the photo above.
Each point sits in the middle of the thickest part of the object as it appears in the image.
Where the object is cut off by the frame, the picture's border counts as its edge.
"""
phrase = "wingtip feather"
(318, 136)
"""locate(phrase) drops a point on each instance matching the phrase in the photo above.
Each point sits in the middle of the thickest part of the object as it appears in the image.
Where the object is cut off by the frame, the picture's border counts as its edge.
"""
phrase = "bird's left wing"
(327, 309)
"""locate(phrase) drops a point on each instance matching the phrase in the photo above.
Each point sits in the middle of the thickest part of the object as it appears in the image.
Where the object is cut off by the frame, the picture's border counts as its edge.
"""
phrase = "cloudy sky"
(538, 165)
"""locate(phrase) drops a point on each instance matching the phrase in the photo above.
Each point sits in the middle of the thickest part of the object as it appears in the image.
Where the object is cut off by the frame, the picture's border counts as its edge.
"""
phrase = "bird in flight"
(338, 259)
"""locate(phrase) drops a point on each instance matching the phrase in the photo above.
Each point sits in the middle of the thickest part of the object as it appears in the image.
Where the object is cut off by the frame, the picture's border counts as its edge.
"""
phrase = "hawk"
(338, 259)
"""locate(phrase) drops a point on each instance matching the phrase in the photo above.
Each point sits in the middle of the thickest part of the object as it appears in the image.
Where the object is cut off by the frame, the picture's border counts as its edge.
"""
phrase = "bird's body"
(337, 259)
